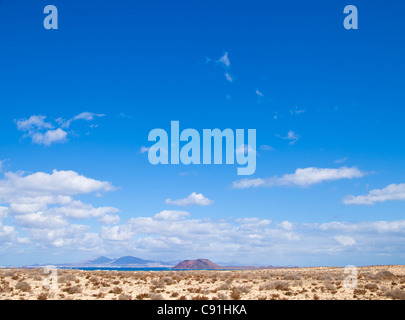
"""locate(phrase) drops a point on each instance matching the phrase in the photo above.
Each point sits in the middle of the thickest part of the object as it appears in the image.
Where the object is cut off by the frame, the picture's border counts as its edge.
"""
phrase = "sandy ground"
(374, 282)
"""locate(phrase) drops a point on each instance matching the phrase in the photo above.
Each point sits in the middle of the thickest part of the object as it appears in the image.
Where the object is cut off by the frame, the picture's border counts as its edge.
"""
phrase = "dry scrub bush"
(396, 294)
(220, 296)
(74, 289)
(159, 283)
(224, 286)
(371, 287)
(42, 296)
(279, 285)
(116, 290)
(200, 297)
(23, 286)
(124, 297)
(385, 274)
(292, 277)
(142, 296)
(155, 296)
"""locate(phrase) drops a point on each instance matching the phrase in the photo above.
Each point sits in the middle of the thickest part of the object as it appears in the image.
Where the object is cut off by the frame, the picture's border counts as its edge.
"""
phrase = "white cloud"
(252, 238)
(44, 133)
(225, 60)
(302, 178)
(43, 201)
(259, 93)
(228, 77)
(41, 132)
(391, 192)
(87, 116)
(109, 219)
(286, 225)
(291, 135)
(171, 215)
(296, 110)
(266, 147)
(345, 240)
(194, 198)
(40, 220)
(245, 149)
(339, 161)
(59, 182)
(144, 149)
(49, 137)
(34, 122)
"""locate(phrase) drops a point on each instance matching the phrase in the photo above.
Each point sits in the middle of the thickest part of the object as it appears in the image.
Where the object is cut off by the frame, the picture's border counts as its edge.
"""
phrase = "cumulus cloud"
(391, 192)
(43, 203)
(301, 178)
(59, 182)
(33, 122)
(172, 234)
(44, 133)
(194, 199)
(345, 240)
(40, 131)
(49, 137)
(254, 238)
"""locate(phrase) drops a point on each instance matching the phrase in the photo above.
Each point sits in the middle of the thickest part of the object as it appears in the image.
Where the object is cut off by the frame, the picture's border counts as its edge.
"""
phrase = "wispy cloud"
(296, 110)
(292, 136)
(259, 93)
(266, 147)
(225, 60)
(194, 199)
(86, 116)
(144, 149)
(301, 178)
(228, 77)
(339, 161)
(391, 192)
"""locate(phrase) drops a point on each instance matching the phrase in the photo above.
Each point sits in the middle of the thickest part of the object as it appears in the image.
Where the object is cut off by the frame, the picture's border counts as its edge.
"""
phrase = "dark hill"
(197, 264)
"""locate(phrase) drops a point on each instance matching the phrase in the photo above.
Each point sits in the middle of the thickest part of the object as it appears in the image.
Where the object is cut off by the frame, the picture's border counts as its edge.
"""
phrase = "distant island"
(199, 264)
(206, 264)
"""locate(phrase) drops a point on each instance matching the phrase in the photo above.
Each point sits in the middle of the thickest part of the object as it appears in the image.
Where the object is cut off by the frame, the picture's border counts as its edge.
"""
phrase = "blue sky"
(326, 102)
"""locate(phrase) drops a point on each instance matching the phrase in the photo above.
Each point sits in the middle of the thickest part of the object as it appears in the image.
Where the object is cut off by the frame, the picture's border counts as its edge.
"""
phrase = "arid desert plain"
(319, 283)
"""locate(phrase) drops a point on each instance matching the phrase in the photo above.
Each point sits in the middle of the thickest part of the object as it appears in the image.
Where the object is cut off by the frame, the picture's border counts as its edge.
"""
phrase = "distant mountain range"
(134, 262)
(122, 262)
